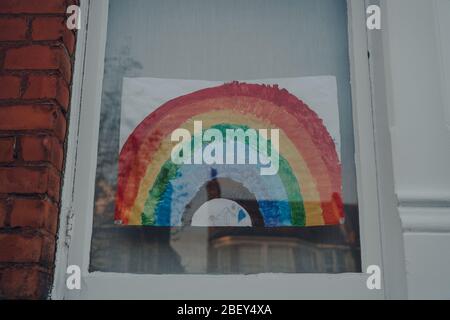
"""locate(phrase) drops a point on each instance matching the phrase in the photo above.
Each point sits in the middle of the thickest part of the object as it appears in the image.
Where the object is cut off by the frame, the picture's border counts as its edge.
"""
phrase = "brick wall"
(36, 59)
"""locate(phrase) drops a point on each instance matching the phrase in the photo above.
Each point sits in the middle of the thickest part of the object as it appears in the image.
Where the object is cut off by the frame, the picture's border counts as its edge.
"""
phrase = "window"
(175, 31)
(222, 41)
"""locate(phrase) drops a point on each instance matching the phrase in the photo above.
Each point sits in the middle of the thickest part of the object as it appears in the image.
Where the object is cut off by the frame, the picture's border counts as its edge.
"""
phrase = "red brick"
(47, 87)
(23, 248)
(40, 131)
(30, 180)
(54, 184)
(32, 6)
(42, 148)
(38, 214)
(3, 212)
(7, 149)
(53, 28)
(13, 29)
(48, 251)
(39, 57)
(65, 65)
(9, 87)
(31, 57)
(20, 248)
(24, 283)
(33, 117)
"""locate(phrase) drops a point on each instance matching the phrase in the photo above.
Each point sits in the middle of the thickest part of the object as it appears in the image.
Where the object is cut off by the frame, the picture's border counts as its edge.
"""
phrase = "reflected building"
(281, 250)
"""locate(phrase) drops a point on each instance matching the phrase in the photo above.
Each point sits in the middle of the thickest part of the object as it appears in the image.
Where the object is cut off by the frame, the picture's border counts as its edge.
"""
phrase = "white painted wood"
(416, 219)
(87, 138)
(364, 138)
(67, 192)
(428, 264)
(420, 139)
(416, 50)
(390, 223)
(250, 287)
(424, 198)
(442, 19)
(101, 285)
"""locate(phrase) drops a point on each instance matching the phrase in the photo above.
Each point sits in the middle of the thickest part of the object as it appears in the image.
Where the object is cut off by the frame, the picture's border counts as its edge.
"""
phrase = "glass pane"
(226, 227)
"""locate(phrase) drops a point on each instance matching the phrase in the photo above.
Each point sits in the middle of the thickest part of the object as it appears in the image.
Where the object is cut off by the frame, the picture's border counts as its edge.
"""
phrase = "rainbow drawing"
(306, 191)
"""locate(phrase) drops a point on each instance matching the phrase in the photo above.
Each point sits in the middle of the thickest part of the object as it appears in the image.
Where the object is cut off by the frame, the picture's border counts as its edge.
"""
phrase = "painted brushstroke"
(306, 191)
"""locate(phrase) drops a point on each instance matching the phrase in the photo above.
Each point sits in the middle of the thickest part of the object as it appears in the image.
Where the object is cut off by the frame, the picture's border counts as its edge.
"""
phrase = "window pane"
(223, 41)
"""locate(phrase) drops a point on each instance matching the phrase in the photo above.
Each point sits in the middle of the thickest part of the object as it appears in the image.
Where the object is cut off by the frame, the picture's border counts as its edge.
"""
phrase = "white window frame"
(79, 181)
